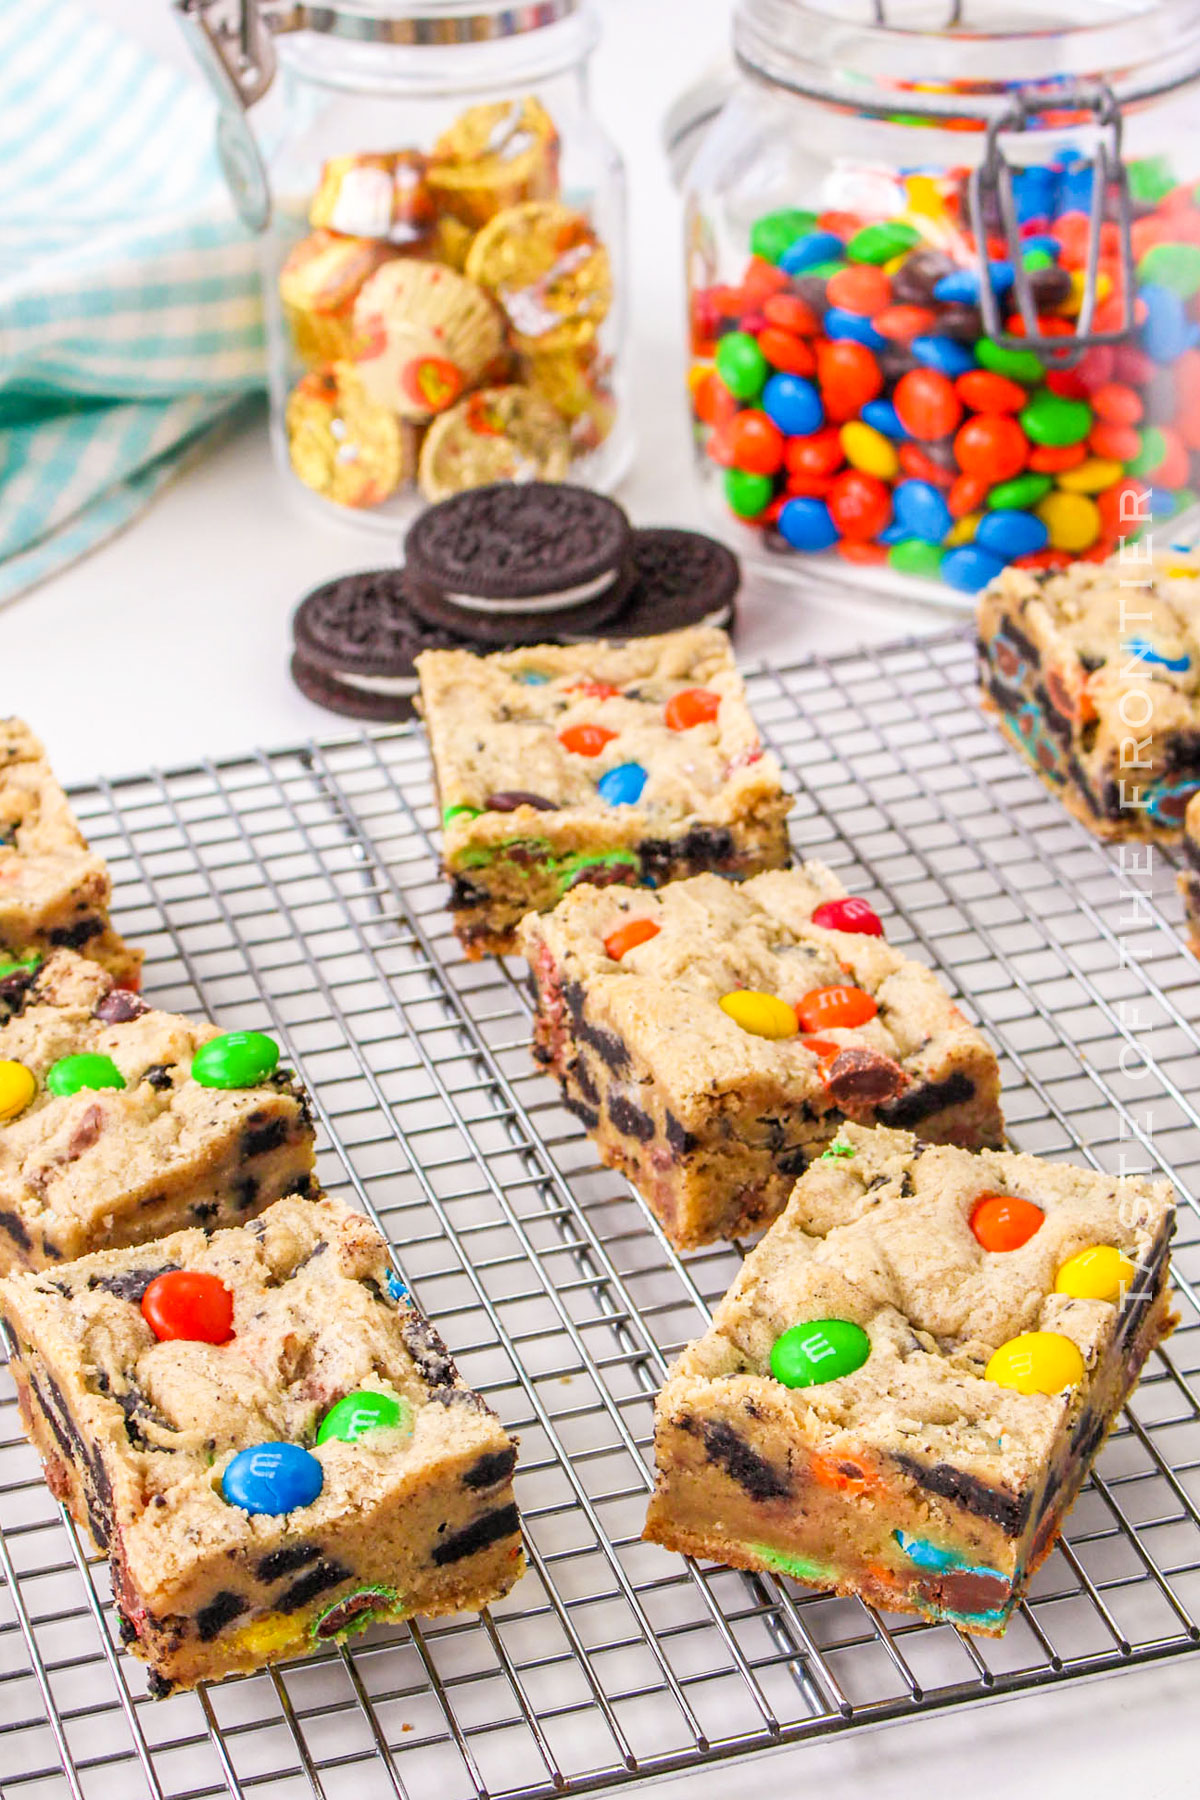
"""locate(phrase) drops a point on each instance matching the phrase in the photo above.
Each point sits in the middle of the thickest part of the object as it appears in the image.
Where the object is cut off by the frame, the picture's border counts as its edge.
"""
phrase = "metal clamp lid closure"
(991, 189)
(232, 41)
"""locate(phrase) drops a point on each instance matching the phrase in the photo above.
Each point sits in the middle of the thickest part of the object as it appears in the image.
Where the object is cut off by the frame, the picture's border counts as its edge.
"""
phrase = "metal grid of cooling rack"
(298, 891)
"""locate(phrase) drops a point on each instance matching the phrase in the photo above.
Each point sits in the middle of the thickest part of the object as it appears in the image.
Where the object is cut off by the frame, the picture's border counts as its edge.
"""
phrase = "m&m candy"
(236, 1059)
(363, 1411)
(585, 740)
(628, 936)
(88, 1070)
(19, 965)
(851, 914)
(1101, 1273)
(691, 707)
(623, 785)
(18, 1086)
(1002, 1222)
(820, 1351)
(762, 1015)
(189, 1303)
(835, 1008)
(272, 1478)
(1037, 1362)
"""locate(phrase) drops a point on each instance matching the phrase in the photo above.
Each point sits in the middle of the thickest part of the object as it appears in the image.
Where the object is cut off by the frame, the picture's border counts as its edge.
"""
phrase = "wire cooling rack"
(298, 891)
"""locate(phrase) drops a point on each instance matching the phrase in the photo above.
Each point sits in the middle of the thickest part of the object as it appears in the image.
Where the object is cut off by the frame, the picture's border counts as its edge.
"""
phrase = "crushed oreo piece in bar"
(730, 1451)
(484, 1531)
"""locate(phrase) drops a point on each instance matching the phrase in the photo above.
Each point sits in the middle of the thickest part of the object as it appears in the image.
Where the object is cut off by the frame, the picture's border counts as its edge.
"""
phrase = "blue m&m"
(623, 785)
(272, 1478)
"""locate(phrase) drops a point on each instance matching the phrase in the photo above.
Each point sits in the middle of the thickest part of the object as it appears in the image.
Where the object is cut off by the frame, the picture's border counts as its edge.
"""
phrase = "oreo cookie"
(355, 641)
(520, 563)
(682, 578)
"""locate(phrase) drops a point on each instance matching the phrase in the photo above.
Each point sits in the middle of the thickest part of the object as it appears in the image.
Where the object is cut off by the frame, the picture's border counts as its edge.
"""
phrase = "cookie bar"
(119, 1122)
(1189, 878)
(633, 764)
(910, 1379)
(1094, 675)
(54, 892)
(713, 1038)
(270, 1442)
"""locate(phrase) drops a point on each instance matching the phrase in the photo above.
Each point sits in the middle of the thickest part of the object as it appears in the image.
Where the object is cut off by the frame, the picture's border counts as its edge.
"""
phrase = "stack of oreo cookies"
(497, 566)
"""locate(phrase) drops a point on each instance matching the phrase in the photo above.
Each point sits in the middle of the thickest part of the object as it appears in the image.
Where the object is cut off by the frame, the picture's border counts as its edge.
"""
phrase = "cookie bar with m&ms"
(714, 1037)
(268, 1439)
(1093, 674)
(54, 890)
(119, 1122)
(632, 764)
(909, 1381)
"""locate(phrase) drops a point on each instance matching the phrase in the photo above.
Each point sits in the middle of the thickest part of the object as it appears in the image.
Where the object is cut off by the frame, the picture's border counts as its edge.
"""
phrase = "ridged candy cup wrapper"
(319, 284)
(847, 388)
(341, 443)
(424, 334)
(577, 383)
(492, 157)
(548, 272)
(376, 196)
(494, 434)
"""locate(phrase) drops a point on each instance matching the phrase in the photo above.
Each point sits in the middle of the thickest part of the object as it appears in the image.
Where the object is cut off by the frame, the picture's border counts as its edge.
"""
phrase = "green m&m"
(1053, 419)
(776, 232)
(1018, 365)
(1020, 493)
(879, 243)
(741, 365)
(364, 1410)
(72, 1074)
(747, 494)
(459, 812)
(238, 1059)
(21, 965)
(819, 1351)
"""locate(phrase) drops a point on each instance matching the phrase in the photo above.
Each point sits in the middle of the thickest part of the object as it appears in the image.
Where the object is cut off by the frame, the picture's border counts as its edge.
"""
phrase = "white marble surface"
(171, 643)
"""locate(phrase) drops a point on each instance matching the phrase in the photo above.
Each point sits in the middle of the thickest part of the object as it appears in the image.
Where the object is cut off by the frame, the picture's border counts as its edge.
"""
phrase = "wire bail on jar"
(993, 180)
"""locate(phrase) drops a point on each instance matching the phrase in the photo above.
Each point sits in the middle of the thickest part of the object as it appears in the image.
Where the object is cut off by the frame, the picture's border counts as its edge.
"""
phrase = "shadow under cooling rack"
(298, 891)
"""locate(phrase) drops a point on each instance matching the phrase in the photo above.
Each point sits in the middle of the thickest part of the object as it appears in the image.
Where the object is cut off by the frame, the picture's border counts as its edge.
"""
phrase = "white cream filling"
(584, 590)
(378, 684)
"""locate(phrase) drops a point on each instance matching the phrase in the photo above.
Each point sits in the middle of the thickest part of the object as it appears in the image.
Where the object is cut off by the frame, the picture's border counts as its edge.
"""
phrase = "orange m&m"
(1004, 1222)
(628, 936)
(835, 1009)
(585, 740)
(188, 1303)
(691, 706)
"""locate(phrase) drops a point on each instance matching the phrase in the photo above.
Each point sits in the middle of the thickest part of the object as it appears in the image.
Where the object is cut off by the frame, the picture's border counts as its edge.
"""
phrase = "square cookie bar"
(907, 1384)
(119, 1122)
(270, 1442)
(713, 1038)
(1189, 877)
(1093, 673)
(54, 892)
(632, 764)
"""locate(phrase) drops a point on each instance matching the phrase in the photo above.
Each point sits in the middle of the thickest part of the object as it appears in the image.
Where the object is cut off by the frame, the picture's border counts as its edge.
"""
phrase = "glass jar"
(443, 235)
(943, 266)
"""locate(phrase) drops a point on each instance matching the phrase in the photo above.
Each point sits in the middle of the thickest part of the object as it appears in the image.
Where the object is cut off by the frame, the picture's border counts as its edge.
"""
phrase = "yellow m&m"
(868, 450)
(762, 1015)
(1096, 1274)
(1037, 1362)
(18, 1085)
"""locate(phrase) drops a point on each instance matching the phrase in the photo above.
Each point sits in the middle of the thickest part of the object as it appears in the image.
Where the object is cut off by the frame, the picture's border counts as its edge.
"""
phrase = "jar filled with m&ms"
(442, 222)
(943, 263)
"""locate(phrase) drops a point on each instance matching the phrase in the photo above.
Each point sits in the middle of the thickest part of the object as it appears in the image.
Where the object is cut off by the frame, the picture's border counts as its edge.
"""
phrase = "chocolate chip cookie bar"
(713, 1038)
(1189, 877)
(119, 1122)
(1094, 676)
(909, 1381)
(54, 892)
(633, 764)
(270, 1442)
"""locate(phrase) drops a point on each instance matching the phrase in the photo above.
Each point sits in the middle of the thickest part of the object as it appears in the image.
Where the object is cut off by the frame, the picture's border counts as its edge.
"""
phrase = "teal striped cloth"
(130, 313)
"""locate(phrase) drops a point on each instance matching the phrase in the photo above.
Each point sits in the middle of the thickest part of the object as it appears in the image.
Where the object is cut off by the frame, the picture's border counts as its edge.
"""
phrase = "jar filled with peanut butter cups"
(442, 221)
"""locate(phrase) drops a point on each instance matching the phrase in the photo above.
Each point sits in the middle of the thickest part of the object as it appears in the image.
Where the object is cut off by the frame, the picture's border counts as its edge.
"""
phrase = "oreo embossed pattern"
(845, 384)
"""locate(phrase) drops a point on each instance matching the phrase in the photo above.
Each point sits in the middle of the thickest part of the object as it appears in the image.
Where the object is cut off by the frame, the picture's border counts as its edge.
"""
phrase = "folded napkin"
(130, 312)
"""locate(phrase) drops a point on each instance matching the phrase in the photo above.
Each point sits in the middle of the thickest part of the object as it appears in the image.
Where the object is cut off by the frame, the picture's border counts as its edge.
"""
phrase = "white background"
(172, 642)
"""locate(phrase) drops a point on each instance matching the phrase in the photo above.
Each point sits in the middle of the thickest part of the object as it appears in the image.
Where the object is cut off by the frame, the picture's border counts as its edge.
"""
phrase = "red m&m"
(189, 1303)
(851, 914)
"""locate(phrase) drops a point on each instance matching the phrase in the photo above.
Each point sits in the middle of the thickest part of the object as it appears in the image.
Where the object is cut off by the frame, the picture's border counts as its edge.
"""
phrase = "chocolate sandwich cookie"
(355, 640)
(682, 578)
(520, 564)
